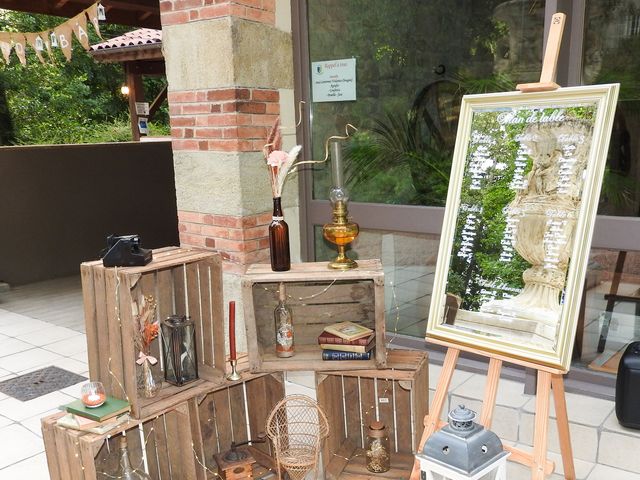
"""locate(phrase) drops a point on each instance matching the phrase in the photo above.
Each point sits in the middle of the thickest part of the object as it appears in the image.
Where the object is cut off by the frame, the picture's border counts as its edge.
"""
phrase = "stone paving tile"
(32, 468)
(611, 424)
(510, 393)
(9, 346)
(584, 439)
(4, 421)
(34, 423)
(619, 451)
(581, 409)
(602, 472)
(29, 359)
(20, 324)
(582, 468)
(459, 377)
(18, 411)
(70, 346)
(17, 443)
(66, 363)
(48, 335)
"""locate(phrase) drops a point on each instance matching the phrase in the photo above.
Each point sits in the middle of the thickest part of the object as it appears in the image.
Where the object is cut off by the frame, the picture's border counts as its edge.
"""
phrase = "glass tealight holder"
(93, 394)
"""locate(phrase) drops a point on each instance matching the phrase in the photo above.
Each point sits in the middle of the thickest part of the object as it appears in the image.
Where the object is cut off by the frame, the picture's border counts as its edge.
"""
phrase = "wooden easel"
(549, 379)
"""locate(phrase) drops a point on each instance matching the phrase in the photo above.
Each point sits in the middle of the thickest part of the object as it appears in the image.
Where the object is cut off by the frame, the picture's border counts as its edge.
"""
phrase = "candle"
(232, 330)
(93, 394)
(93, 399)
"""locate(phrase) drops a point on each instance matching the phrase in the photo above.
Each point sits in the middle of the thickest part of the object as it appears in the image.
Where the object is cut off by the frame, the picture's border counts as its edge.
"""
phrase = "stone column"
(230, 73)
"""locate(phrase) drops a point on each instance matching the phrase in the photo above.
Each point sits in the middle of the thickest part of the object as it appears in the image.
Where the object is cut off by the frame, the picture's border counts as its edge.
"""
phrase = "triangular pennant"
(92, 15)
(35, 41)
(5, 46)
(46, 38)
(79, 24)
(53, 39)
(64, 33)
(19, 43)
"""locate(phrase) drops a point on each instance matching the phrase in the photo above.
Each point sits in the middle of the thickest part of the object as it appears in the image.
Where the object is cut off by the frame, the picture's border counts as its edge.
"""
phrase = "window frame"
(610, 232)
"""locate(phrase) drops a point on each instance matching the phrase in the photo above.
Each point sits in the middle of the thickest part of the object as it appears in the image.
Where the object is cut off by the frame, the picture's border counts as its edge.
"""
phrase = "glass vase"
(149, 382)
(279, 239)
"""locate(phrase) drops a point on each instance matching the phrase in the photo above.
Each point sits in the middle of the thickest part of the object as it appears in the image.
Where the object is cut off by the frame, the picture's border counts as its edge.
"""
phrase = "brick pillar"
(230, 72)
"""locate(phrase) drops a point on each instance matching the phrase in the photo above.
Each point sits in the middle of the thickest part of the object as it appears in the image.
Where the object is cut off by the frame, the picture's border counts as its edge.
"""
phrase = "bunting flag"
(79, 25)
(35, 41)
(64, 33)
(5, 45)
(60, 37)
(92, 15)
(19, 46)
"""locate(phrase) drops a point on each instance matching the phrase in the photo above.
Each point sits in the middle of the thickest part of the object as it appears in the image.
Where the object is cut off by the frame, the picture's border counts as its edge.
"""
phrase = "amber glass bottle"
(279, 239)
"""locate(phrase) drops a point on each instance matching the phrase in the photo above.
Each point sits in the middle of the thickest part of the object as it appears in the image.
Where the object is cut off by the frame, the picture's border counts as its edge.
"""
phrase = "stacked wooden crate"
(177, 443)
(391, 387)
(398, 396)
(177, 434)
(183, 282)
(318, 296)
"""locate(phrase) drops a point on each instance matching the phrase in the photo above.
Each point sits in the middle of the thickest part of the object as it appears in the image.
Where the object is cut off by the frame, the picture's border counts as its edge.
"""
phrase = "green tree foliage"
(59, 101)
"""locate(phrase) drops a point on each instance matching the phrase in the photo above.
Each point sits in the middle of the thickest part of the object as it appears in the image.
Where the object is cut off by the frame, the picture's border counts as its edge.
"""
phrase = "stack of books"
(110, 414)
(347, 341)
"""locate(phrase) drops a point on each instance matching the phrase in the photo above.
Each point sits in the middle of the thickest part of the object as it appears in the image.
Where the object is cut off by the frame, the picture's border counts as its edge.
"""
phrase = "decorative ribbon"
(142, 358)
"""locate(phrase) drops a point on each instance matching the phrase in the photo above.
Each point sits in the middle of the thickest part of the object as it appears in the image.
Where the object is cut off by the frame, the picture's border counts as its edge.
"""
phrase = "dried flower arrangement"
(146, 329)
(279, 162)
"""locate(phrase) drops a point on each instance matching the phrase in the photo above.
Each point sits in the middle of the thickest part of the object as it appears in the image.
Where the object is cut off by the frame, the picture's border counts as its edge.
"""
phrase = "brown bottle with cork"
(279, 239)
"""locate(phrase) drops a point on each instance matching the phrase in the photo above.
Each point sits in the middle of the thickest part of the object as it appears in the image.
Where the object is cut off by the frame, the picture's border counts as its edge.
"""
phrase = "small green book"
(110, 408)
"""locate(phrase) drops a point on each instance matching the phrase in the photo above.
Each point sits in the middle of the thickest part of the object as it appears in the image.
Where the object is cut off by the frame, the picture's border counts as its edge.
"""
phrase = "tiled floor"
(29, 339)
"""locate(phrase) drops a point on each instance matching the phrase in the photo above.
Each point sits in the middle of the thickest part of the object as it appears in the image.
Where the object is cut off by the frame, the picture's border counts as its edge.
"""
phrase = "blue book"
(338, 355)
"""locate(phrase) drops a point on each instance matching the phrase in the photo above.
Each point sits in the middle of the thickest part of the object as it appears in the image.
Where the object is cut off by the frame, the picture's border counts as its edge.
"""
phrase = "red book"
(330, 338)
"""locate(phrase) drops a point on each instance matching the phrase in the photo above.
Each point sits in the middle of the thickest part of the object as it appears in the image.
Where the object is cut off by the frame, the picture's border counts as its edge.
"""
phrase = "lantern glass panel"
(179, 350)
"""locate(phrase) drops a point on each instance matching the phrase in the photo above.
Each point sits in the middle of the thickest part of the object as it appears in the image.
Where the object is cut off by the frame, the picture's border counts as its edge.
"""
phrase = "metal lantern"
(179, 350)
(463, 450)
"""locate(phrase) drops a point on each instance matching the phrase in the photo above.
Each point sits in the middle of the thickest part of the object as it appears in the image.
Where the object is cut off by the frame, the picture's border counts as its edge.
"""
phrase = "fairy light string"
(367, 412)
(143, 448)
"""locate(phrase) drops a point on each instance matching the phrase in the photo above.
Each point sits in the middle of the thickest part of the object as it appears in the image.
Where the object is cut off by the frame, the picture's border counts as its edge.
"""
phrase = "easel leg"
(560, 403)
(490, 392)
(442, 389)
(541, 426)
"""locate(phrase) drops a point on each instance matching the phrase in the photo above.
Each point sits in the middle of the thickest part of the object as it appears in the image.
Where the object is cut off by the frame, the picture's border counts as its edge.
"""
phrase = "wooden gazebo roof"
(135, 13)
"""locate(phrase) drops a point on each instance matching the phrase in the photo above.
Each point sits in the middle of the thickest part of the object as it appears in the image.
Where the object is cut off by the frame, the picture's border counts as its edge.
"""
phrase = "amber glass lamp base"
(341, 232)
(342, 262)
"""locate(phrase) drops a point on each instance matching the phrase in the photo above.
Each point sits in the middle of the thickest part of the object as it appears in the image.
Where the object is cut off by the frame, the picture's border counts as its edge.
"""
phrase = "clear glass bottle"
(284, 325)
(378, 448)
(279, 239)
(125, 471)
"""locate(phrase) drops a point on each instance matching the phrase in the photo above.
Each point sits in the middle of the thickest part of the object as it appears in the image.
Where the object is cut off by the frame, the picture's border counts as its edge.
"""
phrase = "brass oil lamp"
(341, 231)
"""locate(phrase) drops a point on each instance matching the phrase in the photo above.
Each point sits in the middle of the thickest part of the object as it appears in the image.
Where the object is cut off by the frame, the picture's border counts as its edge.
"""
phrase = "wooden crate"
(182, 281)
(179, 443)
(397, 396)
(318, 296)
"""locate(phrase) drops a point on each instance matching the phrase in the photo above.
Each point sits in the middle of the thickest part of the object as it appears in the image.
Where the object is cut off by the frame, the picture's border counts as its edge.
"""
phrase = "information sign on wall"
(334, 80)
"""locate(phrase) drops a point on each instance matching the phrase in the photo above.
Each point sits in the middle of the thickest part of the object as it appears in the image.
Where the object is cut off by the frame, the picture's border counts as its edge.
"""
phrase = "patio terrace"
(42, 324)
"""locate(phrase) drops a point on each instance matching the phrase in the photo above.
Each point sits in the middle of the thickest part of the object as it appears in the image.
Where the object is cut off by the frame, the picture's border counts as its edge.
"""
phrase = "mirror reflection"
(519, 204)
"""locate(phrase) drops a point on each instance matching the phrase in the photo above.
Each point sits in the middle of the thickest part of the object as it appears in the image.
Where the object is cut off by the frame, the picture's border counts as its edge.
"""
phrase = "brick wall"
(241, 240)
(182, 11)
(219, 113)
(228, 119)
